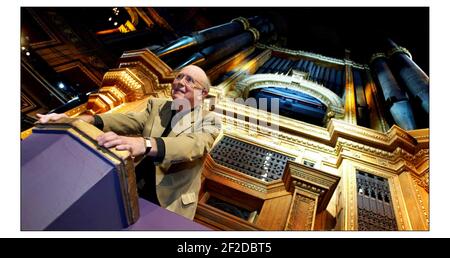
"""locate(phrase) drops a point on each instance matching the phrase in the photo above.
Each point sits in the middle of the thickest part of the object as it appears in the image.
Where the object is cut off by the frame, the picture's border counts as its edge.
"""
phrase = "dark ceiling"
(323, 30)
(331, 30)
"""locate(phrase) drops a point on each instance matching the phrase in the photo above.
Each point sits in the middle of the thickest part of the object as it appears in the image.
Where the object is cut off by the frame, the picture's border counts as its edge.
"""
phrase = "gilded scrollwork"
(351, 193)
(126, 81)
(423, 181)
(424, 209)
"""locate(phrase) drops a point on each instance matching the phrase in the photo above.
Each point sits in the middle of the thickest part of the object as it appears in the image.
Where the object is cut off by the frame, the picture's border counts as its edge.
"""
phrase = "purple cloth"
(65, 185)
(154, 217)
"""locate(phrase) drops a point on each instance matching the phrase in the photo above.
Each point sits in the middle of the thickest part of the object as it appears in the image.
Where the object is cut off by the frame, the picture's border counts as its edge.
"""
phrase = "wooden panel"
(217, 219)
(324, 221)
(274, 213)
(234, 196)
(302, 212)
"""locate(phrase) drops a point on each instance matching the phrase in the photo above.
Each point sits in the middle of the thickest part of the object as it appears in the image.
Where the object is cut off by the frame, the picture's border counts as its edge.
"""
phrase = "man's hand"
(50, 117)
(135, 145)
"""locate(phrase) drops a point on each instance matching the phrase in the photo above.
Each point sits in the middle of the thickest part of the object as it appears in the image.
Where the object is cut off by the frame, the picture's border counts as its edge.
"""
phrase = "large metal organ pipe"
(396, 99)
(201, 37)
(222, 49)
(410, 74)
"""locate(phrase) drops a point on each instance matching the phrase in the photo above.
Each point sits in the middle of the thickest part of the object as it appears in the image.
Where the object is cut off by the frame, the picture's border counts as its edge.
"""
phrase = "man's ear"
(204, 93)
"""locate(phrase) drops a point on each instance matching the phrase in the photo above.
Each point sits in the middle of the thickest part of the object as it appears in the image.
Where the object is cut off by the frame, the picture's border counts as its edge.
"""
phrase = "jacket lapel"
(186, 122)
(161, 121)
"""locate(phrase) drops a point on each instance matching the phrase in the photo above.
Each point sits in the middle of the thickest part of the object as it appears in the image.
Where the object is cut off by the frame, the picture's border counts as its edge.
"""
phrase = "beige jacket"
(178, 176)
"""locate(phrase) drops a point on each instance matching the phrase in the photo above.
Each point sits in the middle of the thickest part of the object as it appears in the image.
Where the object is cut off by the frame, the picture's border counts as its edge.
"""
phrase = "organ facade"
(309, 142)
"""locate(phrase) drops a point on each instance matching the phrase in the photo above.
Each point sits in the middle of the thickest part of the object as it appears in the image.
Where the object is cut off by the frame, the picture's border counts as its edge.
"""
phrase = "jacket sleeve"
(127, 124)
(191, 146)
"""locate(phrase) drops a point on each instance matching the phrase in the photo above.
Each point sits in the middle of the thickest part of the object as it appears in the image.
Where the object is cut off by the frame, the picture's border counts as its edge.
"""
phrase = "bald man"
(174, 137)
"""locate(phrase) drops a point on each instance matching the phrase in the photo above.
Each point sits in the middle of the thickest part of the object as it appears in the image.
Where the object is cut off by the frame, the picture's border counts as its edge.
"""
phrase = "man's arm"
(55, 117)
(136, 145)
(132, 123)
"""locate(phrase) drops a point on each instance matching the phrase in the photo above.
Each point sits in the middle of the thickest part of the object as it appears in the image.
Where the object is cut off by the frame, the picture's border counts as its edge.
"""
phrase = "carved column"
(416, 200)
(312, 190)
(303, 210)
(350, 100)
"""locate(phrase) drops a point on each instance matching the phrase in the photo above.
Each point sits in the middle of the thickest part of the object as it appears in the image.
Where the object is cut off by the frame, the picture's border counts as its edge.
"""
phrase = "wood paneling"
(274, 213)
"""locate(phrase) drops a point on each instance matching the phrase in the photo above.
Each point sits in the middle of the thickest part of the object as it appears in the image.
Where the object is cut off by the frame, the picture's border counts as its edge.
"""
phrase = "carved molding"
(289, 129)
(331, 140)
(351, 205)
(419, 198)
(127, 81)
(423, 181)
(299, 176)
(149, 62)
(343, 149)
(310, 55)
(150, 81)
(399, 49)
(106, 99)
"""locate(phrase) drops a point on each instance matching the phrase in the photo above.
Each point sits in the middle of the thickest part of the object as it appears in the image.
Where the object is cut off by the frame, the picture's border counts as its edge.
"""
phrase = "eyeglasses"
(191, 82)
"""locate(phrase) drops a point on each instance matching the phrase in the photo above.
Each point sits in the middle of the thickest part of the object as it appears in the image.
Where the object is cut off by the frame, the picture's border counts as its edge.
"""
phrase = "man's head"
(191, 83)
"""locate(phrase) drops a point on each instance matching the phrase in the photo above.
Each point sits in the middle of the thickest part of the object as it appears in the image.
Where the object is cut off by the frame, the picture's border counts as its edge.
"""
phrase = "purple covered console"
(68, 182)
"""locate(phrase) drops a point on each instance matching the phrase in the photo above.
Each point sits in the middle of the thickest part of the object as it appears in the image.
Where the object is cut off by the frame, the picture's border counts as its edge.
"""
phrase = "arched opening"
(294, 104)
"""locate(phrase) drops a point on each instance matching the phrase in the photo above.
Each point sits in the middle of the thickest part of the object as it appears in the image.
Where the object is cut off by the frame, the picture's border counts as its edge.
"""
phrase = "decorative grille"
(250, 159)
(375, 210)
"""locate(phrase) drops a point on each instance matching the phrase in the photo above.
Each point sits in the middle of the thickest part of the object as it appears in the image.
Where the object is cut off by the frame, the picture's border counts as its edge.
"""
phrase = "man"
(174, 137)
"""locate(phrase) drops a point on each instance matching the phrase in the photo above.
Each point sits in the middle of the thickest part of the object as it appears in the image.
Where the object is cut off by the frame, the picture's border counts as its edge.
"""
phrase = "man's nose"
(184, 80)
(179, 86)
